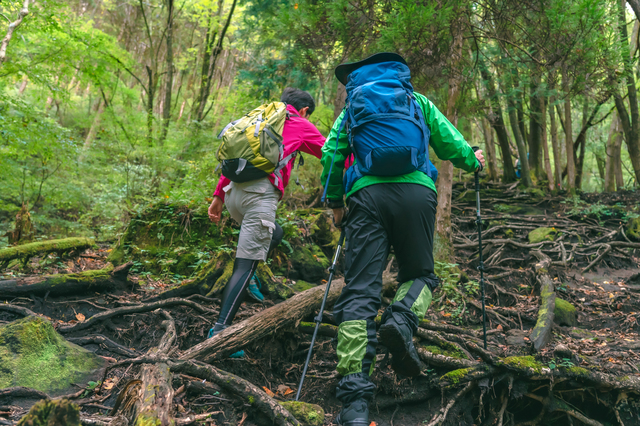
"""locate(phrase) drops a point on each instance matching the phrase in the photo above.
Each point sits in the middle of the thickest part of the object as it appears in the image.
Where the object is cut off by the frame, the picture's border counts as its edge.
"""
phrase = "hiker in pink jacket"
(253, 204)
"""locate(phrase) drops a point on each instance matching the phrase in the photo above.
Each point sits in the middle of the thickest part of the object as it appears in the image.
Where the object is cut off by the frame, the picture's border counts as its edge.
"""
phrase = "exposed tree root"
(135, 309)
(99, 339)
(541, 333)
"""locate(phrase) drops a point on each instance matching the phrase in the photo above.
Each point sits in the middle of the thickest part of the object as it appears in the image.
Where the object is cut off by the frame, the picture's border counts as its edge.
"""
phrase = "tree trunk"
(284, 315)
(23, 85)
(166, 109)
(613, 165)
(535, 133)
(557, 157)
(525, 173)
(545, 143)
(66, 284)
(497, 122)
(568, 133)
(491, 149)
(583, 144)
(93, 131)
(151, 88)
(630, 125)
(338, 102)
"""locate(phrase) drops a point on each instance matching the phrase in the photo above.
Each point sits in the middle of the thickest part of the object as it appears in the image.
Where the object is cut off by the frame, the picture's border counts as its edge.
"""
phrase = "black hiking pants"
(381, 216)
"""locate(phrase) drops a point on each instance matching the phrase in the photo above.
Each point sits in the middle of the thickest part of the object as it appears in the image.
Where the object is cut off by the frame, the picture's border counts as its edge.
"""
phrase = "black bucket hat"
(343, 70)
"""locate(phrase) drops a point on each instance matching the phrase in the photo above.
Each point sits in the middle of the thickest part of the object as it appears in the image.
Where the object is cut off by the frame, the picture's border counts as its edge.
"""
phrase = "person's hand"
(338, 216)
(215, 209)
(480, 157)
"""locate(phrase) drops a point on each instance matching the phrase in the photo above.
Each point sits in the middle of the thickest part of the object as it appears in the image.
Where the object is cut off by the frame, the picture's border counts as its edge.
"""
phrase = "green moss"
(579, 371)
(509, 233)
(455, 376)
(307, 414)
(26, 251)
(523, 362)
(542, 234)
(308, 263)
(565, 313)
(148, 420)
(252, 400)
(33, 355)
(633, 228)
(437, 350)
(48, 412)
(301, 285)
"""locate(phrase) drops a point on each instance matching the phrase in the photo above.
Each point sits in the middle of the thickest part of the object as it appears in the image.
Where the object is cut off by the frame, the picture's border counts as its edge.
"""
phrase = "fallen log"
(541, 333)
(27, 251)
(67, 284)
(154, 405)
(281, 316)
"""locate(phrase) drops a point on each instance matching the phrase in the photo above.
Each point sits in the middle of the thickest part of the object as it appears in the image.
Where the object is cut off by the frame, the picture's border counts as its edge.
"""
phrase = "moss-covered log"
(52, 412)
(59, 247)
(67, 284)
(541, 333)
(276, 318)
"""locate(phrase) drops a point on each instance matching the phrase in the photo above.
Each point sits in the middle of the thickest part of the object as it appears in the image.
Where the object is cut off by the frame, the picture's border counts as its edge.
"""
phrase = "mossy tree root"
(249, 392)
(541, 333)
(136, 309)
(27, 251)
(276, 318)
(66, 284)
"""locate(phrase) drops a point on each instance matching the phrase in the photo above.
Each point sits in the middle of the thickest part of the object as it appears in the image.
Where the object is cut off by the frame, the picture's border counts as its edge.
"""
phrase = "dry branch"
(283, 315)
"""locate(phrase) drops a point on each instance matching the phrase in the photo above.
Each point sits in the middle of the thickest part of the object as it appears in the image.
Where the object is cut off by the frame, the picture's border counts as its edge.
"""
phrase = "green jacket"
(447, 142)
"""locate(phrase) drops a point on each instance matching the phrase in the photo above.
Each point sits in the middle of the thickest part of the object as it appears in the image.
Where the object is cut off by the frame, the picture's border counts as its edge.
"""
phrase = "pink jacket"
(298, 135)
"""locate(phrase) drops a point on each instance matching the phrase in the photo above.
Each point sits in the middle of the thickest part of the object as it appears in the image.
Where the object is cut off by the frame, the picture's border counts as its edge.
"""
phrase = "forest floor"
(571, 380)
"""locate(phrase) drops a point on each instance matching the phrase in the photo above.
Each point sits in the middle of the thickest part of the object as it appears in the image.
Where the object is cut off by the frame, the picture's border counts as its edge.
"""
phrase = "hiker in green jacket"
(386, 127)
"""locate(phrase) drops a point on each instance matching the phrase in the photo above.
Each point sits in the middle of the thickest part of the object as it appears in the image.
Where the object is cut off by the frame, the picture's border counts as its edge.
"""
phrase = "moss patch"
(633, 228)
(437, 350)
(301, 286)
(47, 413)
(34, 355)
(306, 414)
(542, 234)
(565, 313)
(308, 263)
(523, 362)
(455, 376)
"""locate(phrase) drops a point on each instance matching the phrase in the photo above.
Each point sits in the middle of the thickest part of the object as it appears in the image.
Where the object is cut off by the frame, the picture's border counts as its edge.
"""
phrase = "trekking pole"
(481, 264)
(318, 319)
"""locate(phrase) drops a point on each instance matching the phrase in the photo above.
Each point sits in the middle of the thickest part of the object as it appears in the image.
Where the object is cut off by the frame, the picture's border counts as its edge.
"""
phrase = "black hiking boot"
(354, 414)
(397, 337)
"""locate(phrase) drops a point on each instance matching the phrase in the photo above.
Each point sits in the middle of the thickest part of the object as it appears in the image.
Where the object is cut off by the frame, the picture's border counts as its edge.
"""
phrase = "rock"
(565, 313)
(542, 234)
(52, 413)
(633, 229)
(561, 351)
(34, 355)
(308, 263)
(307, 414)
(580, 333)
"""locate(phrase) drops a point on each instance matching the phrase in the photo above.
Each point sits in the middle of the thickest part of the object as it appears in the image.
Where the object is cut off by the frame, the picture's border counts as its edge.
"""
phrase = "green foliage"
(454, 290)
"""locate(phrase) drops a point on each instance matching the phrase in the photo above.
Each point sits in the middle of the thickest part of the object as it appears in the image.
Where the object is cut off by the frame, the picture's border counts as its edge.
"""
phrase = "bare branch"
(12, 27)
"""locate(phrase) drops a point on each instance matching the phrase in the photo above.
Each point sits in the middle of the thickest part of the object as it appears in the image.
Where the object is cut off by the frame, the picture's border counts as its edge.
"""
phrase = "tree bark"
(613, 166)
(568, 124)
(535, 132)
(557, 156)
(541, 333)
(491, 149)
(66, 284)
(545, 143)
(24, 11)
(630, 125)
(166, 110)
(525, 173)
(497, 122)
(284, 315)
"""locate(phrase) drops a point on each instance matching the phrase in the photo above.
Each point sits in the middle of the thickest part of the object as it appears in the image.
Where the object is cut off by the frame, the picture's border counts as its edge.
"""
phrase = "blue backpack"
(387, 131)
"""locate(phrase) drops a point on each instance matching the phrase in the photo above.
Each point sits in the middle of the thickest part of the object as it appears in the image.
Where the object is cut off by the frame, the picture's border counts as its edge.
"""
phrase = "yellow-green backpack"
(252, 146)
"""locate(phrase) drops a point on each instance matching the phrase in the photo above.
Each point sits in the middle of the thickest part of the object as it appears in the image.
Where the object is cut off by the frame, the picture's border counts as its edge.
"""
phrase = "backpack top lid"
(380, 72)
(343, 70)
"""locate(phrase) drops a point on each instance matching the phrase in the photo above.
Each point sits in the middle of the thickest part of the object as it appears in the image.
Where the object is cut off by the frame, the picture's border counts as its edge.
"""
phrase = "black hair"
(298, 99)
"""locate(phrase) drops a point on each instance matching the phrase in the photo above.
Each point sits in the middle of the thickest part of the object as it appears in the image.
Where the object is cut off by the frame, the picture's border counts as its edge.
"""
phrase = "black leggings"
(243, 270)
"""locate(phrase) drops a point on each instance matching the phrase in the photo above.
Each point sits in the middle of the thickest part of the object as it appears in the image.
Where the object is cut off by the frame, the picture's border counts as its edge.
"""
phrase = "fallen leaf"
(499, 327)
(268, 391)
(80, 317)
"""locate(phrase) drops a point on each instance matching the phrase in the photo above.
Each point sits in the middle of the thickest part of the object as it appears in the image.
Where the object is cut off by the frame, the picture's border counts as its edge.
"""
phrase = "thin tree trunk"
(24, 11)
(490, 148)
(23, 85)
(93, 131)
(557, 157)
(568, 124)
(583, 144)
(151, 88)
(166, 108)
(525, 173)
(612, 161)
(497, 122)
(535, 133)
(545, 143)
